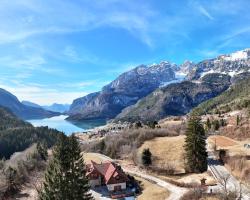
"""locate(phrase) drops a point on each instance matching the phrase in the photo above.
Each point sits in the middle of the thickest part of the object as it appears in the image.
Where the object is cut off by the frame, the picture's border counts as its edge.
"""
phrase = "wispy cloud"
(27, 65)
(46, 17)
(205, 12)
(44, 41)
(42, 95)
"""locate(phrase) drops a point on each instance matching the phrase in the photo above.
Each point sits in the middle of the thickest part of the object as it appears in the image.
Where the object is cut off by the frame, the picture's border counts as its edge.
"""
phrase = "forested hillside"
(17, 135)
(236, 97)
(9, 120)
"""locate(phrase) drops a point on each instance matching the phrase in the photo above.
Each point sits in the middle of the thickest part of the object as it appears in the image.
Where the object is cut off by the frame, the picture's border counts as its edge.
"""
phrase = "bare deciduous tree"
(223, 180)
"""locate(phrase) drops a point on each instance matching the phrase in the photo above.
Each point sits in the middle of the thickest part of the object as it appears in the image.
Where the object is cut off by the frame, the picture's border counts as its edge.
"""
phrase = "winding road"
(220, 173)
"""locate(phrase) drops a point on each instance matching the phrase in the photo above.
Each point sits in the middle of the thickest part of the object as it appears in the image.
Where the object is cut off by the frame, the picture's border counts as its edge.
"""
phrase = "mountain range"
(147, 92)
(55, 107)
(159, 90)
(11, 102)
(124, 91)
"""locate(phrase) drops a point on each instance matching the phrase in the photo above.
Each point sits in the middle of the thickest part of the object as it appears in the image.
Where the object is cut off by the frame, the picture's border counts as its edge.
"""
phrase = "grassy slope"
(171, 151)
(151, 191)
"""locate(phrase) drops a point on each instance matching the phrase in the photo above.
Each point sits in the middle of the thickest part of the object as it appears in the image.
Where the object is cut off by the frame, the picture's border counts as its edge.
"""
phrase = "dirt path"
(175, 192)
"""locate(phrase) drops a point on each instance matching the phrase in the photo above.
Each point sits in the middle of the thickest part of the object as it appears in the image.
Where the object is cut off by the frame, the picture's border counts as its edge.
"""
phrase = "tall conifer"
(65, 177)
(195, 146)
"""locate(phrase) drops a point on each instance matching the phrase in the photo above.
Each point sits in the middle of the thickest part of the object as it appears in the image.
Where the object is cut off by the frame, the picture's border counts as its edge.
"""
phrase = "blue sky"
(58, 50)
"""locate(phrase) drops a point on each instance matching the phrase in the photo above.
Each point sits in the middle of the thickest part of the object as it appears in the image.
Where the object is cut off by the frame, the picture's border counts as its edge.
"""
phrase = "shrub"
(117, 145)
(164, 169)
(194, 194)
(146, 157)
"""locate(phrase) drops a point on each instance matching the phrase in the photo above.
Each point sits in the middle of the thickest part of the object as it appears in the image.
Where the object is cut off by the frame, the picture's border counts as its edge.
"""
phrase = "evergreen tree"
(238, 120)
(79, 188)
(208, 123)
(42, 150)
(53, 186)
(65, 177)
(195, 146)
(146, 157)
(12, 183)
(138, 124)
(216, 125)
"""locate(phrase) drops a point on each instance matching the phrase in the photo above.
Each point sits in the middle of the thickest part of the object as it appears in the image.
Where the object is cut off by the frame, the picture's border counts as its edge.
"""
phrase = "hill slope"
(28, 103)
(11, 102)
(236, 97)
(17, 135)
(9, 120)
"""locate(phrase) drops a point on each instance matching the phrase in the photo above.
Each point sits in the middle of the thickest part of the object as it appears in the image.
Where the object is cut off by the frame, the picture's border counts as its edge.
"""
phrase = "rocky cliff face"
(124, 91)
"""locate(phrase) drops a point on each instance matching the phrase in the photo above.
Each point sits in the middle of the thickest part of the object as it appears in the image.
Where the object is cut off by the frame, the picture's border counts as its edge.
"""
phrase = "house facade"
(107, 173)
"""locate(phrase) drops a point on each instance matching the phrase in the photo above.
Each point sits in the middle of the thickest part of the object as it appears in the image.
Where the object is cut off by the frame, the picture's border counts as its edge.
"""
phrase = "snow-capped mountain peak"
(238, 55)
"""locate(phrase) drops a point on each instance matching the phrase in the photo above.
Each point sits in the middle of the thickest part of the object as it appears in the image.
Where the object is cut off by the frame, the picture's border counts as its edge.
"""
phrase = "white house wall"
(111, 187)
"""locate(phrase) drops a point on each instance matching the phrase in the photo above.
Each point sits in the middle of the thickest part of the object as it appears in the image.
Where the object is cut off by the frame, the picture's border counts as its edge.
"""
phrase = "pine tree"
(146, 157)
(65, 177)
(42, 150)
(238, 120)
(195, 146)
(79, 187)
(53, 186)
(208, 123)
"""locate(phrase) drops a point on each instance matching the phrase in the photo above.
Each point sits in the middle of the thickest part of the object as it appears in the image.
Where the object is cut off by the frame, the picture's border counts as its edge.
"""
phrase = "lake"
(65, 126)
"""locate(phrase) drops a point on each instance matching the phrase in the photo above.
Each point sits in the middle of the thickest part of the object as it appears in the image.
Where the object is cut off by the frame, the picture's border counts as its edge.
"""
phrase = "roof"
(111, 172)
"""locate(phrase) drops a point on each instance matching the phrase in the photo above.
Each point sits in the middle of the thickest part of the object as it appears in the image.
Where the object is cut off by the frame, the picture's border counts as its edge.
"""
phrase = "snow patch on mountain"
(179, 77)
(230, 73)
(238, 55)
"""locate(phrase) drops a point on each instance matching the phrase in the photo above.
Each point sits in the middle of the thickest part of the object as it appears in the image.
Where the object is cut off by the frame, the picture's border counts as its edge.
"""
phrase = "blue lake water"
(67, 127)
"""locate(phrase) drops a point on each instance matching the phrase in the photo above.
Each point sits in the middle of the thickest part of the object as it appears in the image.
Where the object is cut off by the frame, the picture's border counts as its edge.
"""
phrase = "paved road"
(220, 173)
(175, 192)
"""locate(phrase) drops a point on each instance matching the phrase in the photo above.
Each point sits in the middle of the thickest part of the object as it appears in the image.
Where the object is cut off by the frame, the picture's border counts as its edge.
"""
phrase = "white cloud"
(71, 53)
(205, 12)
(30, 18)
(40, 94)
(25, 66)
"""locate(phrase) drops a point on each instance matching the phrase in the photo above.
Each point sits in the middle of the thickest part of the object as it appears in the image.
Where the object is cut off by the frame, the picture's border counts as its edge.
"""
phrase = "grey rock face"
(126, 90)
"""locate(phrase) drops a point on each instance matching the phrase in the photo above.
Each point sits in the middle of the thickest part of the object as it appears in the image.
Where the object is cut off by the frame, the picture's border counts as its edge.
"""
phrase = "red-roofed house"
(108, 174)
